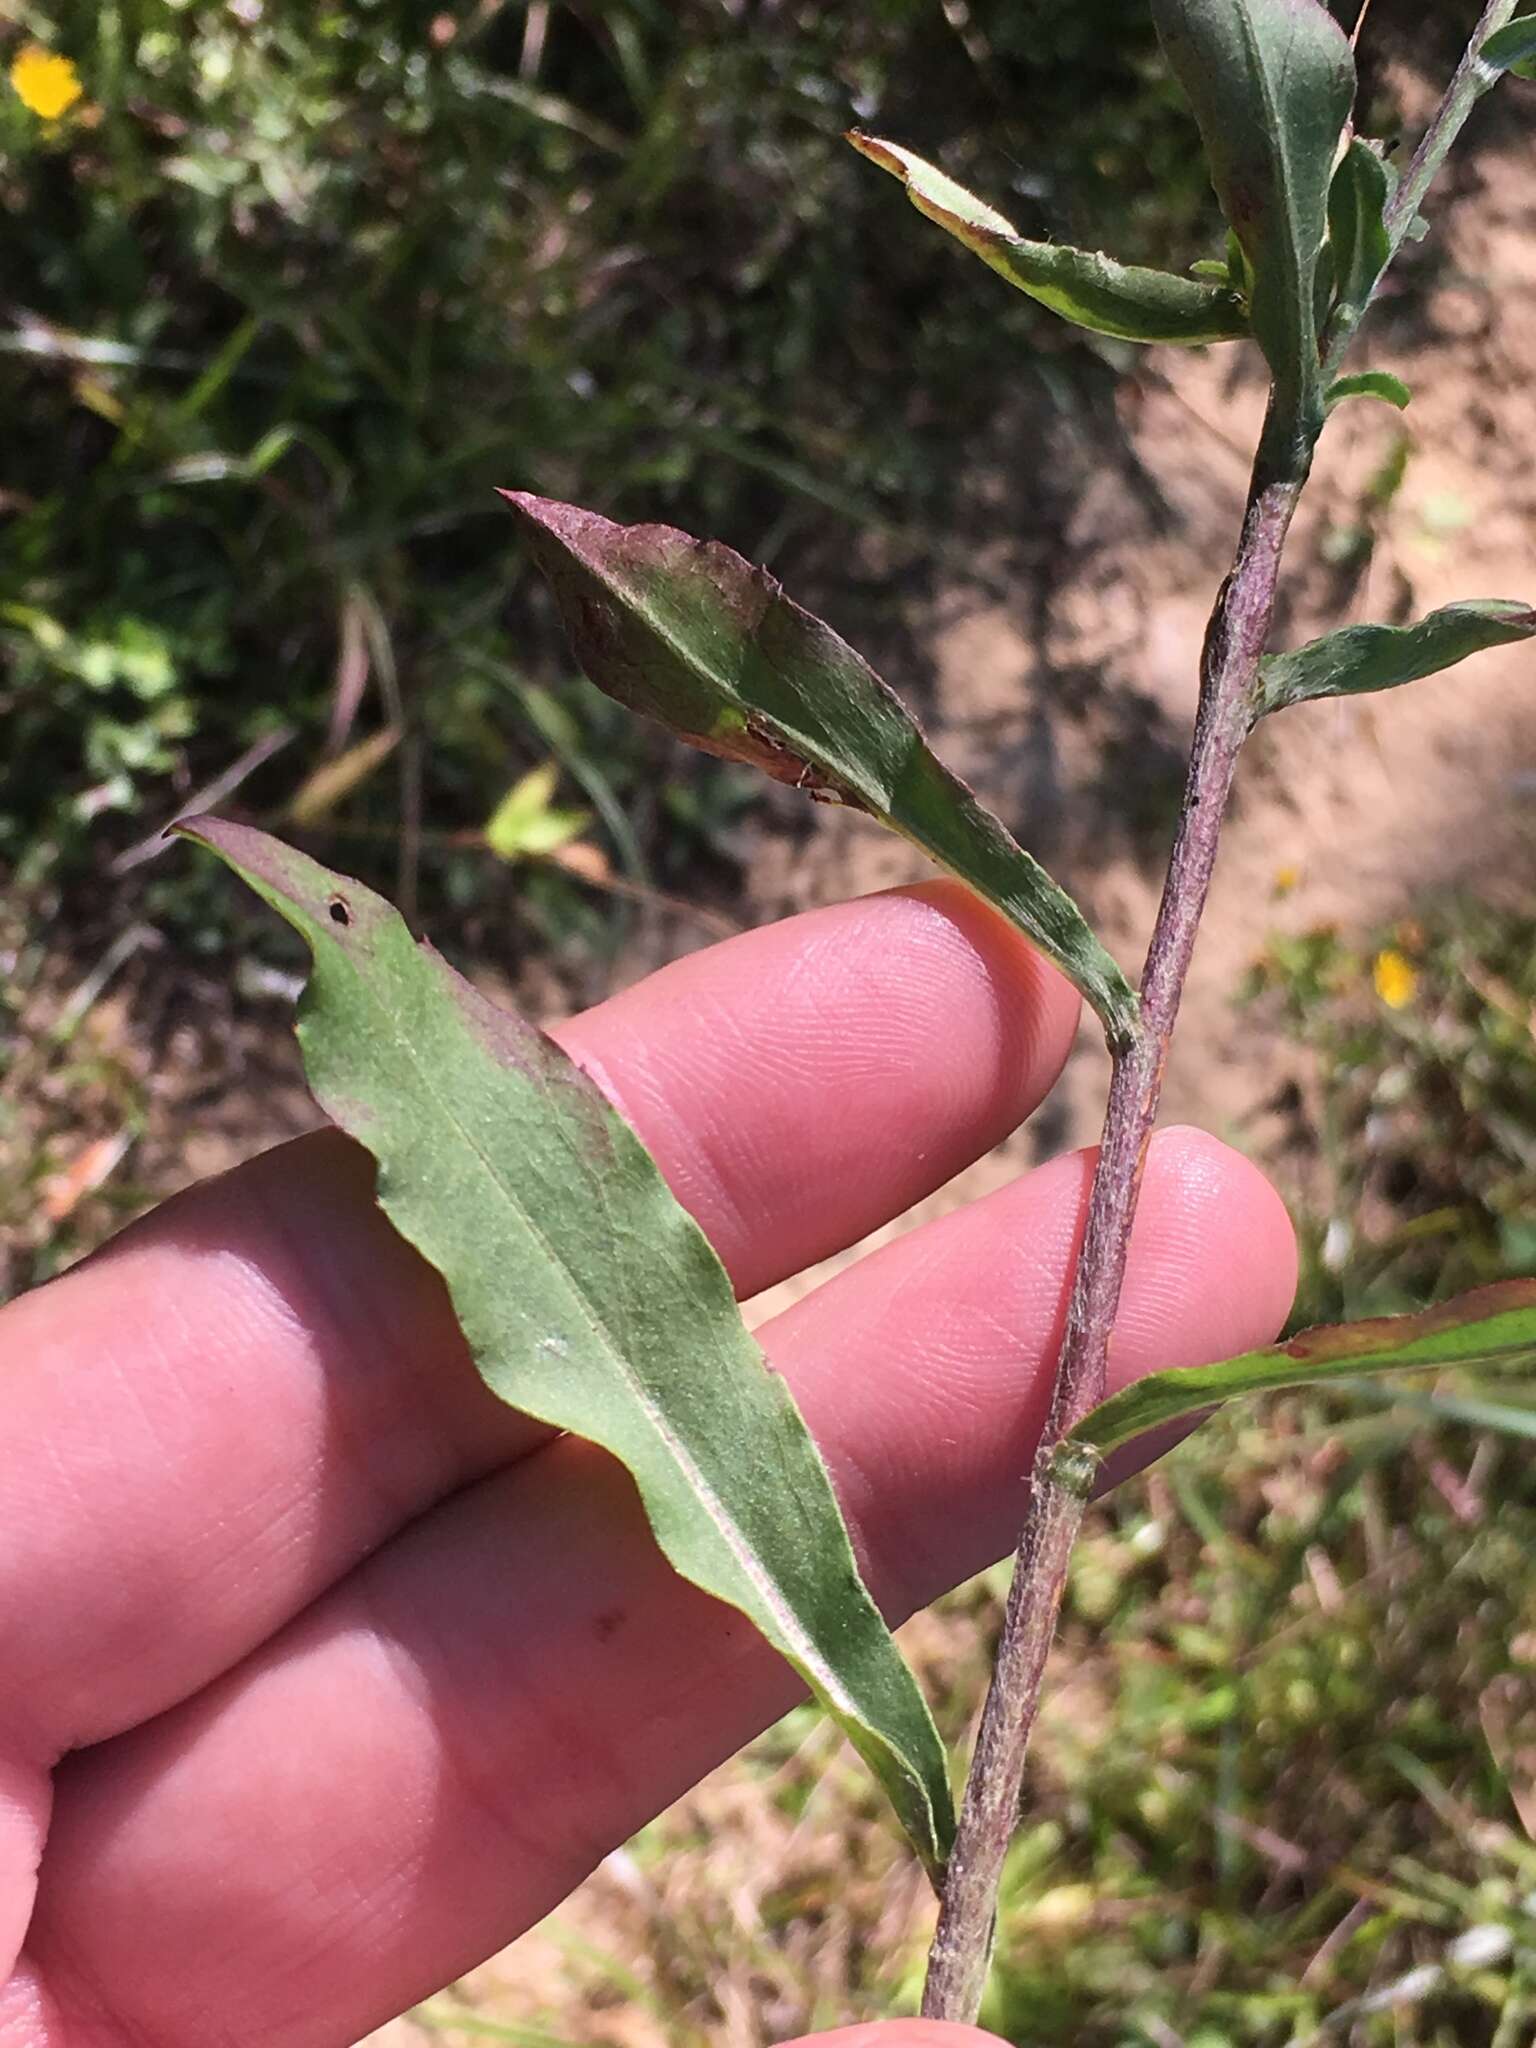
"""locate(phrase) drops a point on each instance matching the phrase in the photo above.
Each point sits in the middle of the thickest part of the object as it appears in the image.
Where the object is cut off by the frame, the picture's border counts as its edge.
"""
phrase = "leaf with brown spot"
(687, 633)
(588, 1296)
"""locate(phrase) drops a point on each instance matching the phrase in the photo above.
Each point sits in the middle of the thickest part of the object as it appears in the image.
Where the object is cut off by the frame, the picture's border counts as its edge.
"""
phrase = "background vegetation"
(294, 287)
(284, 296)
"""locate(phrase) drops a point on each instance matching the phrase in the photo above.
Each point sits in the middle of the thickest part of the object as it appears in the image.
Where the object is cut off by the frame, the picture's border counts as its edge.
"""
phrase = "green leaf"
(589, 1298)
(687, 633)
(1089, 289)
(1357, 201)
(527, 823)
(1512, 47)
(1361, 658)
(1370, 384)
(1271, 82)
(1494, 1326)
(1238, 268)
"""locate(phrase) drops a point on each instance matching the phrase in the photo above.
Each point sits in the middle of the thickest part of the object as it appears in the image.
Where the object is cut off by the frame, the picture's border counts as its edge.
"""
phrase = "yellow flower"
(1396, 978)
(47, 84)
(1287, 880)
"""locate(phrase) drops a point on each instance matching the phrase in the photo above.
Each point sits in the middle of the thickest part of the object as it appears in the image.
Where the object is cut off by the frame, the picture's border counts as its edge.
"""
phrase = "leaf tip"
(525, 504)
(890, 156)
(571, 527)
(220, 835)
(314, 899)
(871, 146)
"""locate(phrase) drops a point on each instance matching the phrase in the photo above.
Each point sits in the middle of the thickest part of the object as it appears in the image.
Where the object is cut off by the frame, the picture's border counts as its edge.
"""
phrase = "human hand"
(355, 1672)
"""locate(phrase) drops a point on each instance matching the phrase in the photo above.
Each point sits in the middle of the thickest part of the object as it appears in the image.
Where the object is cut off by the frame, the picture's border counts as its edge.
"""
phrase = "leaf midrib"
(736, 1541)
(1299, 300)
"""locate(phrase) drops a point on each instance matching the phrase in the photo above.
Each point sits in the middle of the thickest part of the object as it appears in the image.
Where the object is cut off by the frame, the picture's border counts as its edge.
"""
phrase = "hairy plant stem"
(1234, 641)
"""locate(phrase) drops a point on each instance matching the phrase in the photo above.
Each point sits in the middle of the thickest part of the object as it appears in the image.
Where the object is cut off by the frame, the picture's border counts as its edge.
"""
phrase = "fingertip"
(801, 1084)
(1218, 1218)
(935, 1355)
(1037, 1010)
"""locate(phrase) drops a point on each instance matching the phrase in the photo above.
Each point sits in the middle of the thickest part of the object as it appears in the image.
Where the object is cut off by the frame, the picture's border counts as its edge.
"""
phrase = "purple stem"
(1229, 681)
(1235, 639)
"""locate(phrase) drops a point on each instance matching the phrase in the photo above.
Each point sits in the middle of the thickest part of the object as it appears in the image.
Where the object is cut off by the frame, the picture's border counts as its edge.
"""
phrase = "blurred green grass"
(1412, 1137)
(292, 287)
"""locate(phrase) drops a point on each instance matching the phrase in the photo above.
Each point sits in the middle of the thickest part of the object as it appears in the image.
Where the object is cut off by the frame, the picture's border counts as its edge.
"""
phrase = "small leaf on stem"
(1370, 384)
(1358, 659)
(588, 1296)
(1091, 290)
(1357, 233)
(1271, 83)
(1493, 1326)
(527, 824)
(1511, 48)
(688, 633)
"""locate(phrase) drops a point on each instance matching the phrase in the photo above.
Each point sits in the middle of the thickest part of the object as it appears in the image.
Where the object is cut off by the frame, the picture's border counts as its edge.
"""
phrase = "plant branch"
(1469, 81)
(1062, 1478)
(1235, 639)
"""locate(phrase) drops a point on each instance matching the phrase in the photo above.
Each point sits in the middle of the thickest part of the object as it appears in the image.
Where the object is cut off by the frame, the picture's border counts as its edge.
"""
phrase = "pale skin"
(324, 1674)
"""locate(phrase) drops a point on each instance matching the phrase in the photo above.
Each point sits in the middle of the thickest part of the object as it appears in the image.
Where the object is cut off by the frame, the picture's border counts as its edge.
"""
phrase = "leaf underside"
(689, 634)
(1491, 1327)
(1271, 83)
(1358, 659)
(1126, 300)
(588, 1296)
